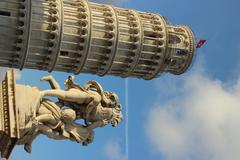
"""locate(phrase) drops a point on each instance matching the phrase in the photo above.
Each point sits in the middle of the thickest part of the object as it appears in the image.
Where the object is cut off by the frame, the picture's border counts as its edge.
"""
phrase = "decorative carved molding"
(78, 36)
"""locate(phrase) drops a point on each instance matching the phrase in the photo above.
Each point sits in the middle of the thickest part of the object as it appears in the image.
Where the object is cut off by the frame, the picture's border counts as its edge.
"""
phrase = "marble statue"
(57, 120)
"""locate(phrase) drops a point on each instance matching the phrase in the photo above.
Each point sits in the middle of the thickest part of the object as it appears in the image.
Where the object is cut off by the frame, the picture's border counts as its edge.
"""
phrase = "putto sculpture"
(25, 120)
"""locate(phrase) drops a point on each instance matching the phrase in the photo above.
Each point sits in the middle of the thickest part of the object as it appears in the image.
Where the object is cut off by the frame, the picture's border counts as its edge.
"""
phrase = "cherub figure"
(90, 102)
(57, 123)
(97, 107)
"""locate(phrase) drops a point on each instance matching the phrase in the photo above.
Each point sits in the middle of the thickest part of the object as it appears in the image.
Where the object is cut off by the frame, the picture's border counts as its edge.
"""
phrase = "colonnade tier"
(78, 36)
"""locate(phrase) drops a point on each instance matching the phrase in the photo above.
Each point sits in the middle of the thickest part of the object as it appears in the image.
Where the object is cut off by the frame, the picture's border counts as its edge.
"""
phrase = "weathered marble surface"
(25, 112)
(80, 36)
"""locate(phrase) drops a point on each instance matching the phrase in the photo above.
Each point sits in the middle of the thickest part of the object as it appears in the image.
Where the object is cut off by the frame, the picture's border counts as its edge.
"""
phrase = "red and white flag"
(200, 43)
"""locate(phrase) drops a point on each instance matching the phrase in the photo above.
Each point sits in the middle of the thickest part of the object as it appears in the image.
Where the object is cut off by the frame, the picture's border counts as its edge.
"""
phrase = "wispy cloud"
(113, 151)
(201, 120)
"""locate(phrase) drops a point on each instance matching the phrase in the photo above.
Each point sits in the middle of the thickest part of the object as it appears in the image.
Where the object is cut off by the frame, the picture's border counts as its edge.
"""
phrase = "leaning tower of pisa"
(78, 36)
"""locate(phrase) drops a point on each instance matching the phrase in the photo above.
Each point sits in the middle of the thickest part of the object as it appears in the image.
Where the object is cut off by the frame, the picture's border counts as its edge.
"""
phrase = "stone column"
(18, 105)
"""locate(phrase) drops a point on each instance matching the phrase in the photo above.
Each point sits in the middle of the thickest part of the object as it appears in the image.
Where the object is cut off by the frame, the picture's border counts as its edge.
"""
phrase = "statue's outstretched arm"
(53, 83)
(96, 85)
(72, 95)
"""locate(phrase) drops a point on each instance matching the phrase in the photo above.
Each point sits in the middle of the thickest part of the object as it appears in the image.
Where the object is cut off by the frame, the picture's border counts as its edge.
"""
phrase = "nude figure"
(90, 99)
(59, 124)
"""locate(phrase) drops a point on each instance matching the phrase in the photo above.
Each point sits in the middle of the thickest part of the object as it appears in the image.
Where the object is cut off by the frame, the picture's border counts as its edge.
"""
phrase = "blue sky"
(189, 117)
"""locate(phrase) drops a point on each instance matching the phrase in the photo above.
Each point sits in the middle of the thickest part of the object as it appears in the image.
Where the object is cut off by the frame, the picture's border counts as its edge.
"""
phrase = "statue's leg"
(50, 133)
(49, 118)
(28, 145)
(54, 84)
(72, 95)
(33, 125)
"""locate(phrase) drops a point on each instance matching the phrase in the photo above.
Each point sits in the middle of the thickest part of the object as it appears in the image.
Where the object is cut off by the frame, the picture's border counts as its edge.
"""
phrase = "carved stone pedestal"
(18, 105)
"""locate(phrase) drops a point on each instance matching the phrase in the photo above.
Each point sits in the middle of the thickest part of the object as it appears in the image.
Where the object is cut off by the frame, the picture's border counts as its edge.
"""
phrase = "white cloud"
(200, 121)
(113, 152)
